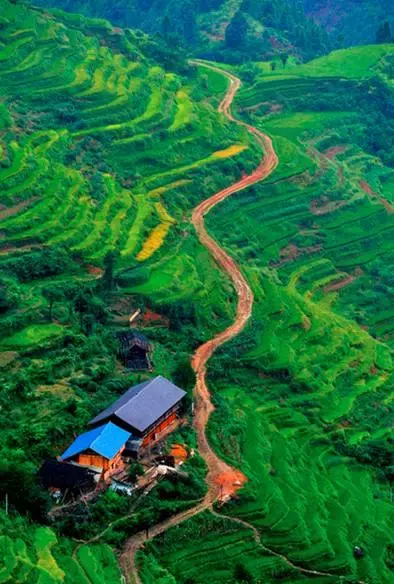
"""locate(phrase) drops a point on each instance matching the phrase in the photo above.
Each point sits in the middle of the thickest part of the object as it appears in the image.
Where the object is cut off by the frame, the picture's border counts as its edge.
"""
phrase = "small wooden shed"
(135, 350)
(65, 477)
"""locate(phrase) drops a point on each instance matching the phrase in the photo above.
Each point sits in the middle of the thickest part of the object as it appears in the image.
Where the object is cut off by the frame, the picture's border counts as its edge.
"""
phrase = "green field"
(304, 396)
(107, 142)
(35, 555)
(355, 62)
(31, 336)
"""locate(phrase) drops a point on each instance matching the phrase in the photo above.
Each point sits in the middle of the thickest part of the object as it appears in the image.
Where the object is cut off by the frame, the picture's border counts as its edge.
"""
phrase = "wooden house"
(99, 449)
(134, 350)
(145, 410)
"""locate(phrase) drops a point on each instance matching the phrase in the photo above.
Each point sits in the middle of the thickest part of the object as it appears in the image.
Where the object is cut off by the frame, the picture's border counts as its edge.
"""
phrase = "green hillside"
(108, 140)
(34, 554)
(223, 30)
(108, 123)
(102, 150)
(304, 396)
(103, 154)
(340, 19)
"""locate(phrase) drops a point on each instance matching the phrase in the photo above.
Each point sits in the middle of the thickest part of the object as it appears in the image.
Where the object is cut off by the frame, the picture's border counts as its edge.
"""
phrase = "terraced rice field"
(308, 387)
(223, 546)
(101, 150)
(88, 172)
(37, 557)
(319, 242)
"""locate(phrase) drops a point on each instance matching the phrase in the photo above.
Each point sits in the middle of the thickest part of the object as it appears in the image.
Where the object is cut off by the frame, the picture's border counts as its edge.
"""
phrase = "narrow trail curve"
(222, 480)
(285, 559)
(220, 477)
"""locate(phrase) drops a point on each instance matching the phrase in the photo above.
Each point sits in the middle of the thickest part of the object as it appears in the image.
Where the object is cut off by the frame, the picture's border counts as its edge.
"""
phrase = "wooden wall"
(108, 466)
(87, 459)
(159, 428)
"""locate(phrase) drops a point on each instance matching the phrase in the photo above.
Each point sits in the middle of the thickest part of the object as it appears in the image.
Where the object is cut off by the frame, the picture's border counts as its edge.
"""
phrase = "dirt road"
(222, 480)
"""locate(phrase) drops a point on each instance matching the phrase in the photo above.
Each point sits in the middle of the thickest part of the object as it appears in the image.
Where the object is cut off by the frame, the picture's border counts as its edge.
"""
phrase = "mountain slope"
(304, 396)
(339, 18)
(103, 152)
(262, 29)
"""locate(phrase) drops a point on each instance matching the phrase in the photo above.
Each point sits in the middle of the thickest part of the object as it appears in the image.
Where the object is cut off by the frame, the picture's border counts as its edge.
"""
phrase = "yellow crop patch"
(154, 241)
(232, 150)
(161, 190)
(157, 235)
(163, 214)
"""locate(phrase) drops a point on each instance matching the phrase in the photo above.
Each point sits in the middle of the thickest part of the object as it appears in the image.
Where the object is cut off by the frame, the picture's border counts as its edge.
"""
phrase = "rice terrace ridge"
(196, 292)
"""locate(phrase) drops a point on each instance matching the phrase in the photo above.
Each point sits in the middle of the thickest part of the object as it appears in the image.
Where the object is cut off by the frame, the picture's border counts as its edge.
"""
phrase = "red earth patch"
(331, 153)
(229, 482)
(151, 317)
(367, 189)
(94, 270)
(339, 284)
(10, 211)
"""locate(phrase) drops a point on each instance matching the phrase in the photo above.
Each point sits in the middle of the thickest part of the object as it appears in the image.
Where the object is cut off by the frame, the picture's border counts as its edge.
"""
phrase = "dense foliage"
(304, 396)
(107, 141)
(216, 29)
(351, 21)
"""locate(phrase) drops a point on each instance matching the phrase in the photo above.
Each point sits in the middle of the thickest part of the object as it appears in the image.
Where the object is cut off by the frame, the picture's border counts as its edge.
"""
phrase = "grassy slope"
(116, 152)
(356, 62)
(35, 554)
(127, 146)
(311, 379)
(100, 149)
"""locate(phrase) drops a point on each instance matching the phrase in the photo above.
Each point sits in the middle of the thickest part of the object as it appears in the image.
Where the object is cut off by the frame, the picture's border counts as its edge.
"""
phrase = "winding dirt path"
(222, 480)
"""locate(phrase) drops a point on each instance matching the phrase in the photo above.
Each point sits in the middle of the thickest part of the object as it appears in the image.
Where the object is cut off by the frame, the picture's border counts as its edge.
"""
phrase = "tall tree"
(236, 31)
(284, 57)
(108, 279)
(189, 23)
(165, 27)
(383, 34)
(52, 294)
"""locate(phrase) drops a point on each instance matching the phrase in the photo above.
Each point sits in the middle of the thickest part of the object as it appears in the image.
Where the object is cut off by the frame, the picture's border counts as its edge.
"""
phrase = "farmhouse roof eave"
(143, 404)
(105, 440)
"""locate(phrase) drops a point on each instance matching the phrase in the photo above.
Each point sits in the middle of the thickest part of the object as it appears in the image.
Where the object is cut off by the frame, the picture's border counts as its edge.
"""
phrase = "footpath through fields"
(222, 480)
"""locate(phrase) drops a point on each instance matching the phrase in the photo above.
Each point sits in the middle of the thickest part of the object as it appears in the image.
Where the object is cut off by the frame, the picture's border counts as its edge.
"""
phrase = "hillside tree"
(284, 57)
(52, 294)
(235, 35)
(383, 34)
(166, 27)
(108, 280)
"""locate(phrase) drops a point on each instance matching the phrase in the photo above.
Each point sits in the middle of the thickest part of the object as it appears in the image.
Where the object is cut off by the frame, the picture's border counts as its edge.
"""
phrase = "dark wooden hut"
(66, 477)
(134, 350)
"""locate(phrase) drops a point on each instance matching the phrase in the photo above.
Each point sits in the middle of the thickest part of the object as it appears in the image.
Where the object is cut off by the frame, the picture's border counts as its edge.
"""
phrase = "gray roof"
(143, 404)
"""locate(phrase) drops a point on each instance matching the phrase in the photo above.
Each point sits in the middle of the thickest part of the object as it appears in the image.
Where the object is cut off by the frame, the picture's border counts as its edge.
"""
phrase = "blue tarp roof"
(105, 440)
(141, 406)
